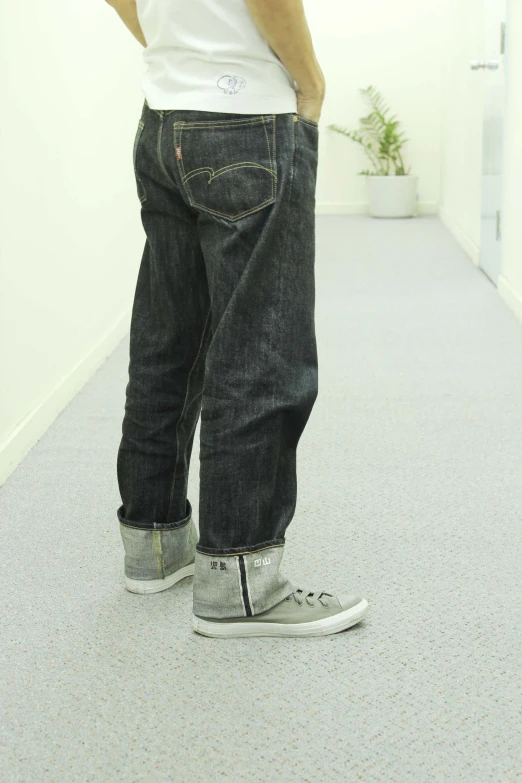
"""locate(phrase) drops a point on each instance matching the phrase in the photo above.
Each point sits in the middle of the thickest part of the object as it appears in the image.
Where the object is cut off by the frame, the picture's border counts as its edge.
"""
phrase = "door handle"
(490, 65)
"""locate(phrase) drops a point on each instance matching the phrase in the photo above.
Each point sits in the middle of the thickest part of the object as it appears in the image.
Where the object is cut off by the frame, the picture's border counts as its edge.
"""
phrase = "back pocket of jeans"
(228, 167)
(142, 194)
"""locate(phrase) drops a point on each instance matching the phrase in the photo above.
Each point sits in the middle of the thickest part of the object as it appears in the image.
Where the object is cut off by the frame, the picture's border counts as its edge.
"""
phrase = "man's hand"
(283, 24)
(309, 105)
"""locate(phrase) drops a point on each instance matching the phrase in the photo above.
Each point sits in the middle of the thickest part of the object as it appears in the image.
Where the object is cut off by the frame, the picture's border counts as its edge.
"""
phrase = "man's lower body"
(222, 325)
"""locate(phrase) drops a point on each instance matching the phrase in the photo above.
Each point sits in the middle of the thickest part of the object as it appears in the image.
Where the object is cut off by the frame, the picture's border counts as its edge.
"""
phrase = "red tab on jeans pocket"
(178, 153)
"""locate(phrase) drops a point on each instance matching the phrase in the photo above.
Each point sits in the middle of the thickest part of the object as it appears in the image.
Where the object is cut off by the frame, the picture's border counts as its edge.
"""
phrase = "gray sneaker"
(302, 613)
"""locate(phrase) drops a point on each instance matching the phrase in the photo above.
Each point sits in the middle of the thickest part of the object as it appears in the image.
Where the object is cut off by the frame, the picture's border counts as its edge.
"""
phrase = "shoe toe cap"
(349, 600)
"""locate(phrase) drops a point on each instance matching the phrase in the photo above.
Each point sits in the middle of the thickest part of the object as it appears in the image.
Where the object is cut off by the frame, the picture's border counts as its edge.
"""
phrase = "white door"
(491, 68)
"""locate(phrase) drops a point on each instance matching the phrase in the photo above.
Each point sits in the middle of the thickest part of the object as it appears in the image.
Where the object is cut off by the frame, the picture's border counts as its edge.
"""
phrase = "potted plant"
(392, 189)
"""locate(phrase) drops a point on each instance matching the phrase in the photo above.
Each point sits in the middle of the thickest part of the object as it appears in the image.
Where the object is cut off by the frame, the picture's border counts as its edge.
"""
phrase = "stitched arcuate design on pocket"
(228, 167)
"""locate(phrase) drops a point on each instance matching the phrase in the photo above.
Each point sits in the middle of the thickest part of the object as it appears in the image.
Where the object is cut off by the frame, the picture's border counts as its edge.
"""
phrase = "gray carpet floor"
(410, 491)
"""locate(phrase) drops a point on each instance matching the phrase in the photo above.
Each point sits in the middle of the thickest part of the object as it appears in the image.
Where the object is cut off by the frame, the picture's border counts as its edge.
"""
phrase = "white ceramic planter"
(392, 197)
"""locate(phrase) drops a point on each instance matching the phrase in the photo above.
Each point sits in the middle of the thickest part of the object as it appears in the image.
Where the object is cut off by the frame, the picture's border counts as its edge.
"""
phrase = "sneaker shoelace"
(310, 597)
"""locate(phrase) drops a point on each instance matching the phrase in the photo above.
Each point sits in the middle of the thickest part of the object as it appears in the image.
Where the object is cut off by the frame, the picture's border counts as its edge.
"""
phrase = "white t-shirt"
(208, 55)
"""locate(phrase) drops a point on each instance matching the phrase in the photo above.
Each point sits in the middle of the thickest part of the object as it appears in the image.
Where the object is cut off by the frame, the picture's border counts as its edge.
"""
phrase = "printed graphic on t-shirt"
(231, 84)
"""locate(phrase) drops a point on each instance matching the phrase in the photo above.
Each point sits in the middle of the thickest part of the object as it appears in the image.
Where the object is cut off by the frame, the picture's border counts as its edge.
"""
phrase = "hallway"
(410, 490)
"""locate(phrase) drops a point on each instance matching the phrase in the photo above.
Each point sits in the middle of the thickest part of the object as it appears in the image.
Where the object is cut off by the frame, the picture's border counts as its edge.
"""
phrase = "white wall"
(397, 47)
(70, 232)
(510, 282)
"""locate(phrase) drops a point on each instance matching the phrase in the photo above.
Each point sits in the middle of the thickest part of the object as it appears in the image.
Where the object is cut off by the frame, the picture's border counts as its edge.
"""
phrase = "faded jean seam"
(184, 409)
(158, 552)
(158, 152)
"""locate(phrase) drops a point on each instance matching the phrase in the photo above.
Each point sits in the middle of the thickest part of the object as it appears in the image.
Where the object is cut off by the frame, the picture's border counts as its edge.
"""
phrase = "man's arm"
(283, 24)
(126, 9)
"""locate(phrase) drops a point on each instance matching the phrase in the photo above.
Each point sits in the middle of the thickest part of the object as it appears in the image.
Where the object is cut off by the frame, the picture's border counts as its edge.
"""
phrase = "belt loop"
(159, 112)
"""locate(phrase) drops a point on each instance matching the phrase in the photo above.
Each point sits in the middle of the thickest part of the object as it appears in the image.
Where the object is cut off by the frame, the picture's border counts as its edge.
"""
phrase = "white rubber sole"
(146, 586)
(329, 625)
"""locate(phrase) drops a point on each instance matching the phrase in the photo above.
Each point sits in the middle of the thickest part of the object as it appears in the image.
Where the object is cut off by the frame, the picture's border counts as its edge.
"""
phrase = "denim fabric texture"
(245, 584)
(156, 554)
(222, 326)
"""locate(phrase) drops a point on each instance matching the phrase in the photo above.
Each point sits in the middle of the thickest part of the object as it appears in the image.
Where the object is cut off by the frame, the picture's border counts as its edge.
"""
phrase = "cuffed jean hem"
(156, 554)
(157, 525)
(239, 585)
(241, 550)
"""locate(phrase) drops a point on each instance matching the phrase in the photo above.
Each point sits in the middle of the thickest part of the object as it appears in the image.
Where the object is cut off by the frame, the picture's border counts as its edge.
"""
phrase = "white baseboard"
(512, 298)
(24, 436)
(467, 244)
(362, 208)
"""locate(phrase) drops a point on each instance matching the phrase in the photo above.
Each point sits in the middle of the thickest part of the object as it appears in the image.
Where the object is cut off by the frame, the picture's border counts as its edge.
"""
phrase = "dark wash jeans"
(222, 325)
